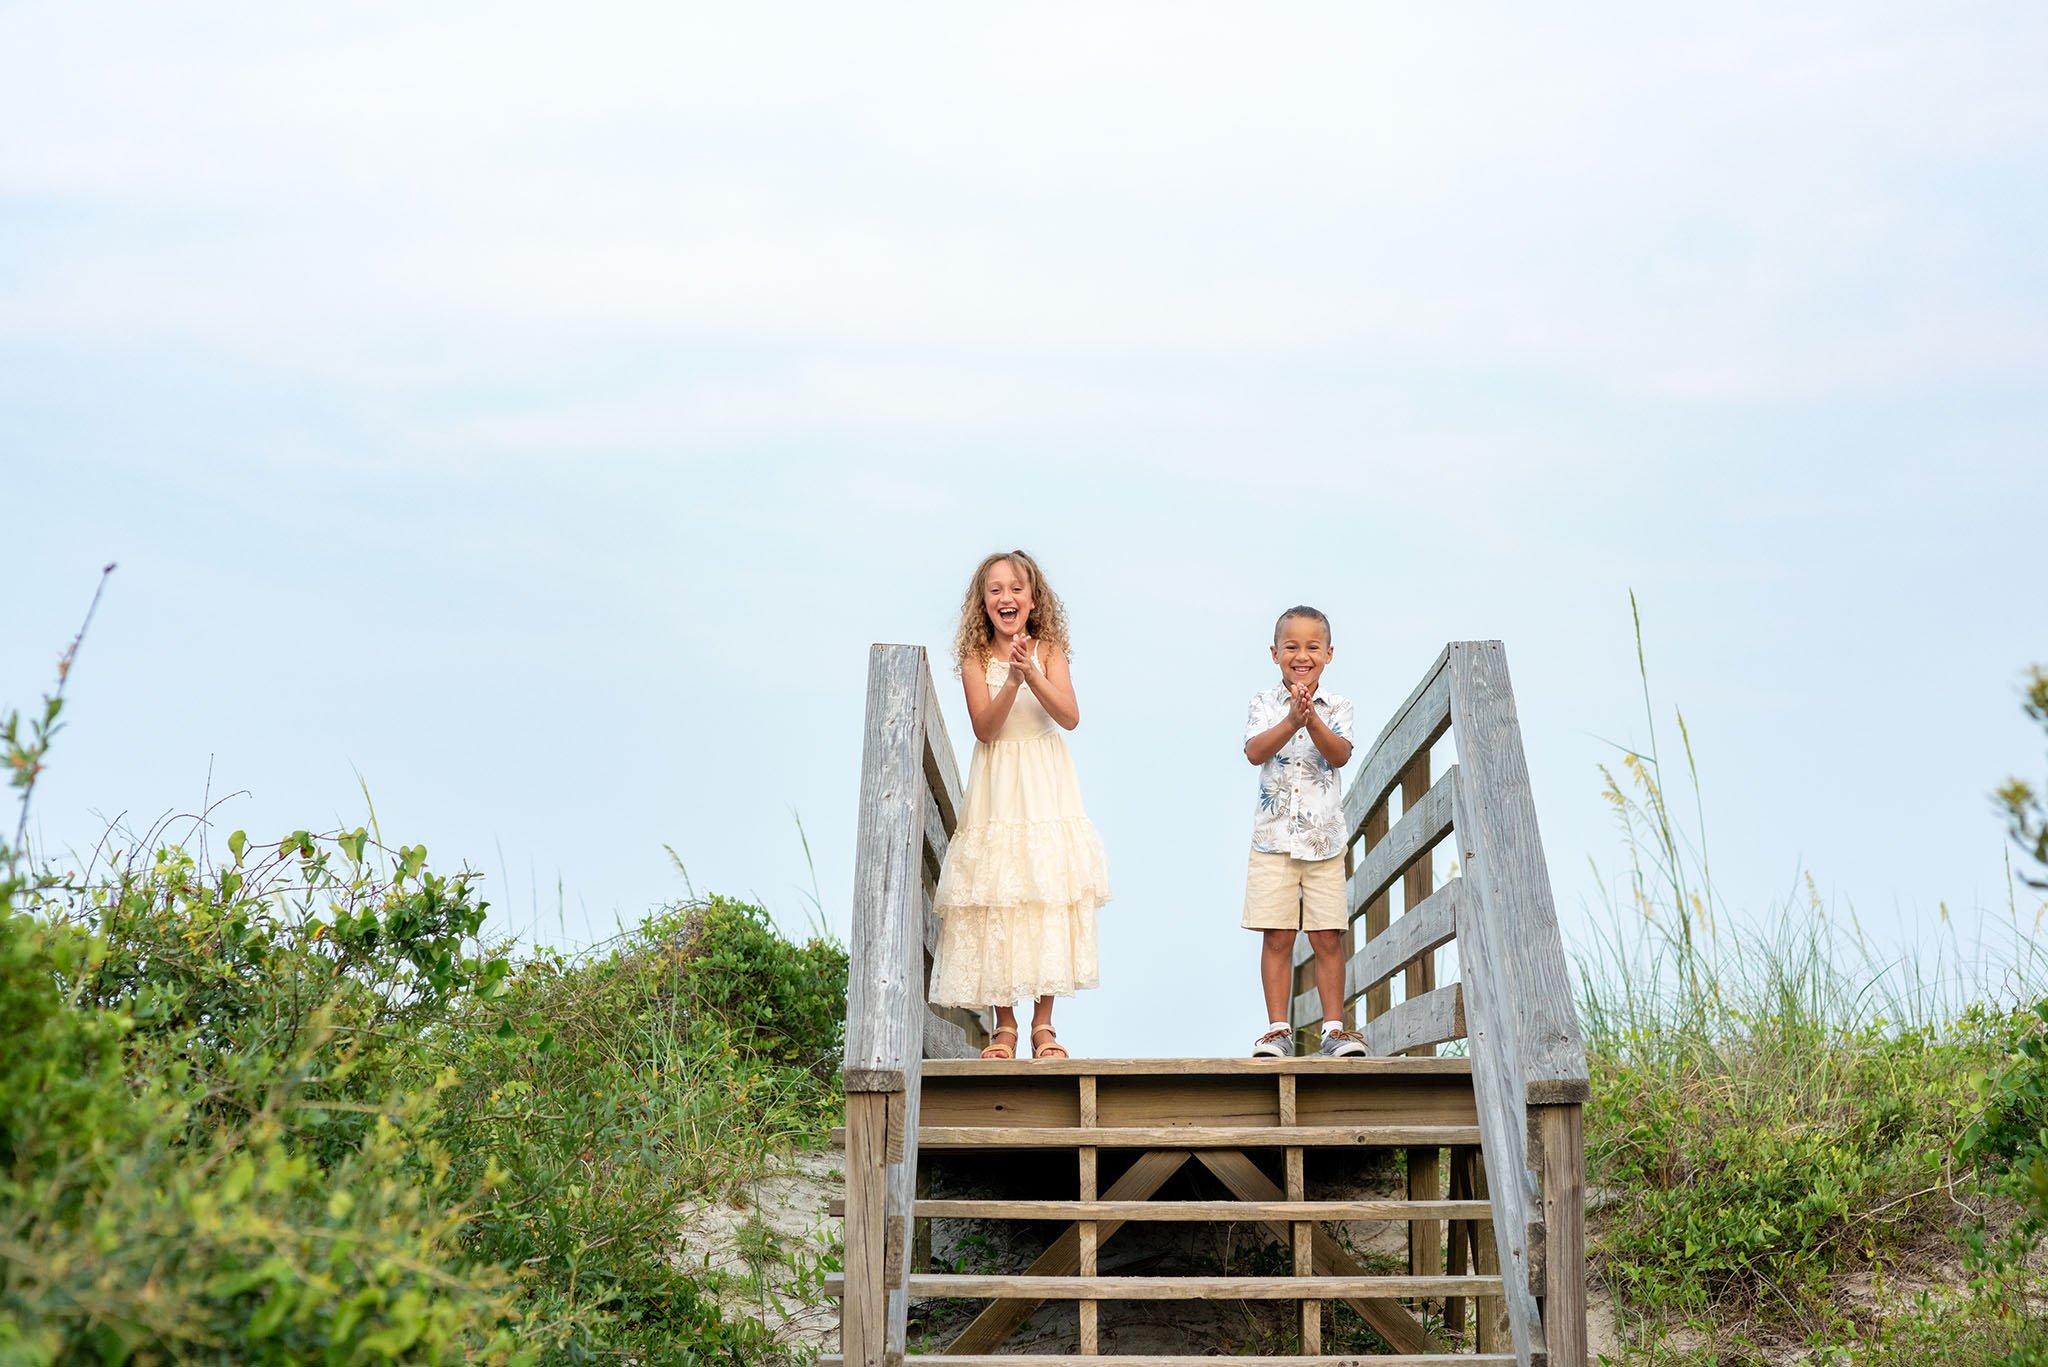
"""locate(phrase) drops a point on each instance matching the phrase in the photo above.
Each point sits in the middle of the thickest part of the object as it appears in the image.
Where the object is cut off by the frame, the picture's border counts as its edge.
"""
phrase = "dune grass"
(1779, 1136)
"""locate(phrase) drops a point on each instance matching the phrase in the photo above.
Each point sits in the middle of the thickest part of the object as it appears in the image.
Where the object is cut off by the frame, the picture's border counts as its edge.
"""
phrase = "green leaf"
(237, 842)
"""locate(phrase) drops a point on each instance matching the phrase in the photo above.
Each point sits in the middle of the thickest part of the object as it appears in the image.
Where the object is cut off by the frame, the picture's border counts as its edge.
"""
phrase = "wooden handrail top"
(1416, 725)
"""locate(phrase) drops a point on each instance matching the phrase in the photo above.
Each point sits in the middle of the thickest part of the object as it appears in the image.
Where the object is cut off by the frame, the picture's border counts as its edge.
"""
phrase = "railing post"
(1563, 1134)
(885, 1006)
(1528, 1059)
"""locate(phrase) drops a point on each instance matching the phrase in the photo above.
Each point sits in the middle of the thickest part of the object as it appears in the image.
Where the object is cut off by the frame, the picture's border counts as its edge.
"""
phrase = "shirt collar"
(1278, 693)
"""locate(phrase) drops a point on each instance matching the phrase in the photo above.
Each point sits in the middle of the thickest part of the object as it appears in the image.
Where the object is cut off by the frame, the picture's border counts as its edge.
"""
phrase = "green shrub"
(294, 1110)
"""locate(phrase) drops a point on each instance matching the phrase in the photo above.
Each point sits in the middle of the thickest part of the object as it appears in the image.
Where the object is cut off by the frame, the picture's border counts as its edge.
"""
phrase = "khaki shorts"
(1285, 893)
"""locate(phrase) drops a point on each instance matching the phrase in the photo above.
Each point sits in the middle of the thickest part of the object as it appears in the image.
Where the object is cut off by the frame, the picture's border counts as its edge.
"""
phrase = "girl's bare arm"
(1054, 686)
(988, 711)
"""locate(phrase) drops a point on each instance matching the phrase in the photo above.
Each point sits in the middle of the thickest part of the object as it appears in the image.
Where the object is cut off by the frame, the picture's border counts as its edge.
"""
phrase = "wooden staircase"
(1495, 1271)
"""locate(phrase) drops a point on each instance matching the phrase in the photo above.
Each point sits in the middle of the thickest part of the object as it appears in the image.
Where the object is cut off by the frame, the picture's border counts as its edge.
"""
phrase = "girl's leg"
(1002, 1041)
(1044, 1044)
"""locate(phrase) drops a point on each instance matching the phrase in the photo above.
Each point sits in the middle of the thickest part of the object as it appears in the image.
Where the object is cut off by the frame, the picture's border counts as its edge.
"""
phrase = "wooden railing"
(1512, 1005)
(909, 808)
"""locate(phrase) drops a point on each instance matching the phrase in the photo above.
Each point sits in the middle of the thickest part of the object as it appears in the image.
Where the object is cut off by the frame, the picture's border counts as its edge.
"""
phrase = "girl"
(1024, 873)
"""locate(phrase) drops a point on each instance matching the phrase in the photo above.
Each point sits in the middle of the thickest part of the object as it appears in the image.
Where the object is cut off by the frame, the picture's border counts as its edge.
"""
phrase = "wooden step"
(955, 1138)
(1022, 1286)
(1016, 1069)
(1186, 1212)
(1221, 1360)
(945, 1137)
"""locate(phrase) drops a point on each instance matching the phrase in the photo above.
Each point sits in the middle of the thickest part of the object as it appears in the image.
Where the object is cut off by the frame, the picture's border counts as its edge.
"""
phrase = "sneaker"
(1276, 1044)
(1343, 1044)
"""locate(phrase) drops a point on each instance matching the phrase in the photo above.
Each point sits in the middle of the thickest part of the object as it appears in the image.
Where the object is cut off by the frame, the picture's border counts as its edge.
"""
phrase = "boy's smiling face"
(1302, 652)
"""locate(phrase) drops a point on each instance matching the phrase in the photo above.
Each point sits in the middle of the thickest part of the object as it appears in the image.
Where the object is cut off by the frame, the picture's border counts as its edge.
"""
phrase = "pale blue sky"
(539, 415)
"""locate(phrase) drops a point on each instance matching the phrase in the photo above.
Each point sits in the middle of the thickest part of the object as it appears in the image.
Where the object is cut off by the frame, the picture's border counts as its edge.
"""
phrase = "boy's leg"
(1329, 949)
(1276, 972)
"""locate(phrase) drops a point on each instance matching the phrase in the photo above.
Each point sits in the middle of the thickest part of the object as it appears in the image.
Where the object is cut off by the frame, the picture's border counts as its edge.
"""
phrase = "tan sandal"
(996, 1048)
(1052, 1048)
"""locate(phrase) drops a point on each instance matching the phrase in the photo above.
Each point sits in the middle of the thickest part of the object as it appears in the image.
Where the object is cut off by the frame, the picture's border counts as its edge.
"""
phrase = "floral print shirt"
(1301, 811)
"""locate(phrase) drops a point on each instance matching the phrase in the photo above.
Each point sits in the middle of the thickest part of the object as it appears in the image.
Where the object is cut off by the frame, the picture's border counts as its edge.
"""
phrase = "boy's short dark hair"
(1301, 610)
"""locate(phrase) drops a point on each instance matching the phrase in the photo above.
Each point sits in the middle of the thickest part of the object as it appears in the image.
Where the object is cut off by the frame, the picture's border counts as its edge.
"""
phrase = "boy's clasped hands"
(1303, 705)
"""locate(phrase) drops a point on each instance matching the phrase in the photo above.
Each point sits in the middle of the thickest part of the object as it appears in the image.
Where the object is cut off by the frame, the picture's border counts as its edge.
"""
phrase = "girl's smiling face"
(1006, 598)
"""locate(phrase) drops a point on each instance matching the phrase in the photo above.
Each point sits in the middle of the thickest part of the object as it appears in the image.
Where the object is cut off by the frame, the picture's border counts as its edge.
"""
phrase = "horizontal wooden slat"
(1188, 1136)
(945, 1039)
(1194, 1136)
(1030, 1071)
(941, 772)
(1223, 1360)
(1433, 1018)
(1195, 1212)
(1419, 828)
(1020, 1286)
(1431, 925)
(1421, 929)
(1414, 727)
(935, 838)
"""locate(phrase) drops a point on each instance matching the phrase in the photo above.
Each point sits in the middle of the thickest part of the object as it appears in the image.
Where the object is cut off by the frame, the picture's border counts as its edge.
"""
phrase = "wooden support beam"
(1562, 1132)
(1087, 1229)
(1417, 886)
(1387, 1317)
(1376, 911)
(994, 1325)
(863, 1320)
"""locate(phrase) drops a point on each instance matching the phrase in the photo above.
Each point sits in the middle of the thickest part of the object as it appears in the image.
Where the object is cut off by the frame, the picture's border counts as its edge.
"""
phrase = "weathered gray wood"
(1192, 1212)
(944, 1038)
(934, 1138)
(992, 1328)
(886, 974)
(1414, 727)
(1497, 1086)
(1505, 866)
(1413, 836)
(1201, 1067)
(863, 1313)
(887, 1022)
(1562, 1129)
(1391, 1320)
(1424, 928)
(993, 1286)
(942, 772)
(936, 838)
(1200, 1360)
(1435, 1018)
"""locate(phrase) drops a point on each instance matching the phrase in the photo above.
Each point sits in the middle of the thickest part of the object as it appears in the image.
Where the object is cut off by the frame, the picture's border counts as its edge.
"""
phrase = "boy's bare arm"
(1336, 749)
(1267, 743)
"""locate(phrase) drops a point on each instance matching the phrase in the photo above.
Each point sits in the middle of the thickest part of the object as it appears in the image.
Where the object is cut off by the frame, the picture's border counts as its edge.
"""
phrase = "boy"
(1299, 735)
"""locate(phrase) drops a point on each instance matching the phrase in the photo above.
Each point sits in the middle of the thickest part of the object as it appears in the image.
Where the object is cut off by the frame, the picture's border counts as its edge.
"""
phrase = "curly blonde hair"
(1047, 623)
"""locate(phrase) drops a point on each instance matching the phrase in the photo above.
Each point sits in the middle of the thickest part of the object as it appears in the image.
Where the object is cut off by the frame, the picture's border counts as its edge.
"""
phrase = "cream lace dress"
(1024, 873)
